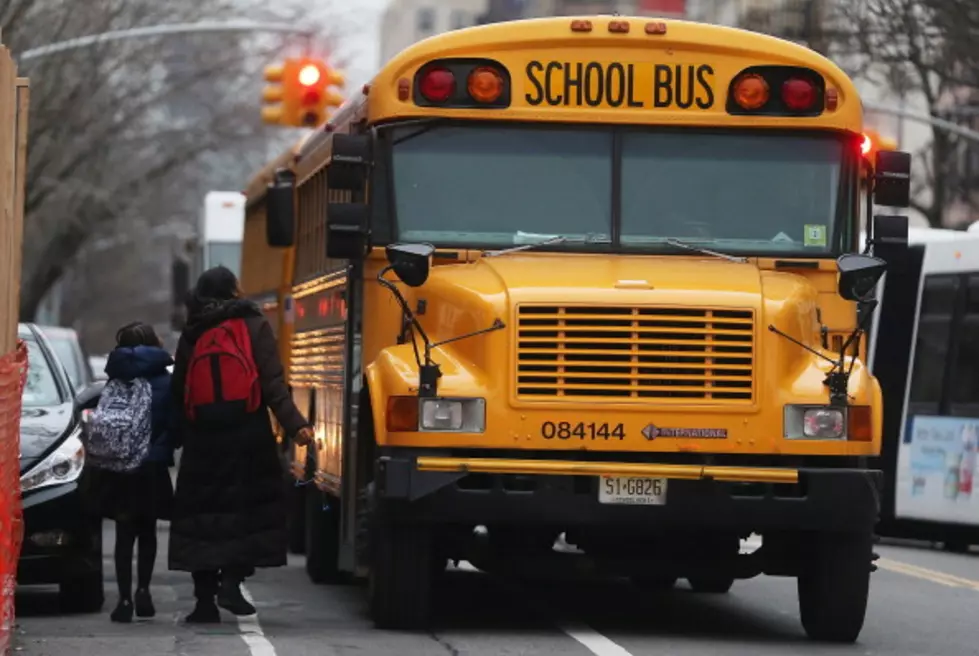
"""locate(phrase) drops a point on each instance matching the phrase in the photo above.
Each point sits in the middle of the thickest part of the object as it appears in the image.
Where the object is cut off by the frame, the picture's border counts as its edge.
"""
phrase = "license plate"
(632, 490)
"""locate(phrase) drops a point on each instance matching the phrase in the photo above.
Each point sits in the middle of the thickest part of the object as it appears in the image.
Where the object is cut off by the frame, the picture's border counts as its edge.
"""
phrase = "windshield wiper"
(557, 239)
(704, 251)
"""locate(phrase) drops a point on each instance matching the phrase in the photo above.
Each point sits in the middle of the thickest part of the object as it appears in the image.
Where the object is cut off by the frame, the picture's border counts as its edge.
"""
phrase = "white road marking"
(594, 641)
(251, 631)
(586, 636)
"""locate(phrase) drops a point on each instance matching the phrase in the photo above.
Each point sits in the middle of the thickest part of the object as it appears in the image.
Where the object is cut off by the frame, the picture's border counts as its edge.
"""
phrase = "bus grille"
(681, 355)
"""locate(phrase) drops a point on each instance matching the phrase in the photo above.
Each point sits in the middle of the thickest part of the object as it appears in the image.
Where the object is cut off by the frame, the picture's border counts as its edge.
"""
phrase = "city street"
(923, 603)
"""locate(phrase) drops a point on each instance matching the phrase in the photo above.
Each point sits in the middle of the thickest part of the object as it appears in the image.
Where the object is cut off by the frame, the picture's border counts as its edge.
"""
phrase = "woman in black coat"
(229, 512)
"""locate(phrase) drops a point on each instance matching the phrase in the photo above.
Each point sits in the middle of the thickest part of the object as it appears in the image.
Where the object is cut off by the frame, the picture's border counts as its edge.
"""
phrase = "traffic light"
(274, 94)
(303, 93)
(309, 92)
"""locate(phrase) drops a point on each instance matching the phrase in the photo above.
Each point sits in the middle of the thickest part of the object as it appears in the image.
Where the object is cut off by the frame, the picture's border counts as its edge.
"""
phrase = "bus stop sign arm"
(162, 30)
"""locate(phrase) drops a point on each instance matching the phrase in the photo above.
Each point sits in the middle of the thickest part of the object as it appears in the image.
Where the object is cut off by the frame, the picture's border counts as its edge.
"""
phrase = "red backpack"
(222, 383)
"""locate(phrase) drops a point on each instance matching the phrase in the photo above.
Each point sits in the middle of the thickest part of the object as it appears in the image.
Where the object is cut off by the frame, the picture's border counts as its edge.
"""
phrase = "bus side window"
(932, 345)
(964, 391)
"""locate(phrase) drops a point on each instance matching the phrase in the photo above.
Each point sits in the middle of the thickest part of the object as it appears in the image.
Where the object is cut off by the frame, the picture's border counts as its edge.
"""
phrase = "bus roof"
(514, 45)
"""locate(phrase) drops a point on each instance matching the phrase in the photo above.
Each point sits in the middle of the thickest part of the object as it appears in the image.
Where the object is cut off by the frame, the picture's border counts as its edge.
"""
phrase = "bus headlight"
(452, 415)
(814, 423)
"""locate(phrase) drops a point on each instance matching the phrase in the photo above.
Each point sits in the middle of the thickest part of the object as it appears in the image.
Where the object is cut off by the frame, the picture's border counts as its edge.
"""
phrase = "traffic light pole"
(927, 119)
(161, 30)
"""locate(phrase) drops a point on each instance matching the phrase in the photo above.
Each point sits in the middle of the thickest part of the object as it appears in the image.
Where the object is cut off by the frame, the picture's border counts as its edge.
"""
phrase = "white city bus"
(221, 230)
(924, 350)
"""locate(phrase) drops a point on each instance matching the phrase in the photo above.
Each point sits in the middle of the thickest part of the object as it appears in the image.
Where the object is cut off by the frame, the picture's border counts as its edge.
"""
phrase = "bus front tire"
(834, 585)
(711, 584)
(654, 583)
(322, 537)
(401, 575)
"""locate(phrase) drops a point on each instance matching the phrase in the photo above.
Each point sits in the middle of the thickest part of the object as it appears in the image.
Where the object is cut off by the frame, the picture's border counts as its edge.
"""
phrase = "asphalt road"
(924, 602)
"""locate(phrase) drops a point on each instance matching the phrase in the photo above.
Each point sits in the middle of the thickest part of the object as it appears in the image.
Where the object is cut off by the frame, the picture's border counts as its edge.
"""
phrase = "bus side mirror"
(350, 162)
(859, 275)
(890, 240)
(348, 224)
(280, 210)
(347, 230)
(892, 178)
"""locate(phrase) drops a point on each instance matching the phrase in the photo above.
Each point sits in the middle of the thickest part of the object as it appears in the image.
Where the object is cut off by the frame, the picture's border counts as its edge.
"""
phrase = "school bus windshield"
(626, 190)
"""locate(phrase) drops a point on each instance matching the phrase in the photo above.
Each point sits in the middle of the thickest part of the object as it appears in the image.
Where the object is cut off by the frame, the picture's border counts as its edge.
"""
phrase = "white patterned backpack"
(121, 426)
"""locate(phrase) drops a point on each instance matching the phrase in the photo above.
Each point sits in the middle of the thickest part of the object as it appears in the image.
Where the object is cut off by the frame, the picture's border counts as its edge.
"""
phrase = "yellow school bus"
(590, 277)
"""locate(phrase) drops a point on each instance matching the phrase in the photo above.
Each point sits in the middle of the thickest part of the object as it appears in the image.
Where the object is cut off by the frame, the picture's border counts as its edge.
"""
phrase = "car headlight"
(814, 422)
(452, 415)
(63, 465)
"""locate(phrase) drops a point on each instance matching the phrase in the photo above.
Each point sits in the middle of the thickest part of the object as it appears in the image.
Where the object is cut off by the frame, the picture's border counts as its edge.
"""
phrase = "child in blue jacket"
(136, 500)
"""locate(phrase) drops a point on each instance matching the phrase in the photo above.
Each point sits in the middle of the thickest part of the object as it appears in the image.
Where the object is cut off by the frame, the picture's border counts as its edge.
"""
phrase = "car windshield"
(41, 388)
(221, 253)
(629, 190)
(64, 349)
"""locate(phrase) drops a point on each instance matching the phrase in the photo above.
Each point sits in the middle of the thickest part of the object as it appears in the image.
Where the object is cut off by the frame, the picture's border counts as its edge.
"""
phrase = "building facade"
(502, 10)
(405, 22)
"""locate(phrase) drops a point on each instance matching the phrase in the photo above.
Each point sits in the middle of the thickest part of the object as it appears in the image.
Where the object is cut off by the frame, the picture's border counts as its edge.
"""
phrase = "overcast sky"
(360, 44)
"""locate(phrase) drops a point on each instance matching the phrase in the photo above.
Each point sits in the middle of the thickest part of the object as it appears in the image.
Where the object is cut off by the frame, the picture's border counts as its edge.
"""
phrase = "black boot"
(205, 588)
(231, 598)
(205, 612)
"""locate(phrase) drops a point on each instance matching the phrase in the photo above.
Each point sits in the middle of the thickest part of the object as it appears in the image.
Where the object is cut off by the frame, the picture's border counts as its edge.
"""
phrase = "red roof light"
(798, 94)
(866, 145)
(437, 85)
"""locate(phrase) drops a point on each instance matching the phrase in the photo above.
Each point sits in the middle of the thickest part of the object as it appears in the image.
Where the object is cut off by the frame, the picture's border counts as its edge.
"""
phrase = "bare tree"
(928, 47)
(107, 133)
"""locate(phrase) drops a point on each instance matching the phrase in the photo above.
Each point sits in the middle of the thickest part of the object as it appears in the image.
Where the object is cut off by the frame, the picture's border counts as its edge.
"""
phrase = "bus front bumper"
(420, 487)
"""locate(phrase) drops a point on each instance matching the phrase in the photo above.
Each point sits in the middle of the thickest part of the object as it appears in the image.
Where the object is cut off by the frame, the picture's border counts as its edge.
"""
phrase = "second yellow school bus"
(592, 276)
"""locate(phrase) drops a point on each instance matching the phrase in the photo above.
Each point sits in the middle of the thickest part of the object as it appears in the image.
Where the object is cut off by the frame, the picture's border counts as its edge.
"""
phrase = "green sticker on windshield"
(815, 235)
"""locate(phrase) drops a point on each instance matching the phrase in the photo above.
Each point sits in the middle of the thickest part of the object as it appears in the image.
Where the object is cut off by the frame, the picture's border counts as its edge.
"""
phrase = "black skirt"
(146, 493)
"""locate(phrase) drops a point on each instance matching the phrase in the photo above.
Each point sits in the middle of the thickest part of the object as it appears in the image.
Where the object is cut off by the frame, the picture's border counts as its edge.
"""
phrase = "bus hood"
(544, 299)
(694, 307)
(588, 334)
(626, 280)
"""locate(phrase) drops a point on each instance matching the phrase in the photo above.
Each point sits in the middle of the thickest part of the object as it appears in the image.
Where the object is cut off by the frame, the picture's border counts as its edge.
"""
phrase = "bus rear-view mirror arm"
(411, 263)
(859, 275)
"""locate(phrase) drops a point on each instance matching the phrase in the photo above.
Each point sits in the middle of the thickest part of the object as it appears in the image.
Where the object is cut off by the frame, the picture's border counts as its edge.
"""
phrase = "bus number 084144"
(566, 430)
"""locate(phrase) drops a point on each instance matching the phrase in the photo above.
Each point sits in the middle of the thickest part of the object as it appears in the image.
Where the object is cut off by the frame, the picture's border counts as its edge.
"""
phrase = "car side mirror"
(859, 275)
(411, 262)
(892, 178)
(280, 210)
(89, 396)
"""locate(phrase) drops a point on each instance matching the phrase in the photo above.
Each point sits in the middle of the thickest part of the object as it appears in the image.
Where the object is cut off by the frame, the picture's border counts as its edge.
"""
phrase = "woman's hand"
(304, 437)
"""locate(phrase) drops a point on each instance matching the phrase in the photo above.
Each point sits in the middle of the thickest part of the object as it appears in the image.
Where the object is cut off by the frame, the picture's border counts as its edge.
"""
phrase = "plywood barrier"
(14, 101)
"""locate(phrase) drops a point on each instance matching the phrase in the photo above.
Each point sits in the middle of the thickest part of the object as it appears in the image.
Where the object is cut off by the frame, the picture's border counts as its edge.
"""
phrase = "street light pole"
(162, 30)
(927, 119)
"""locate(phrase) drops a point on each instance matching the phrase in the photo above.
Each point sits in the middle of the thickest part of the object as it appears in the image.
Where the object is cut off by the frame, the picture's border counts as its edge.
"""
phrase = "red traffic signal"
(309, 75)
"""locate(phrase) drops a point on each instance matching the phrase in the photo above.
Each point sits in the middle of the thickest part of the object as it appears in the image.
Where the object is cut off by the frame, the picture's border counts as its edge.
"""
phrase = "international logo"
(652, 432)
